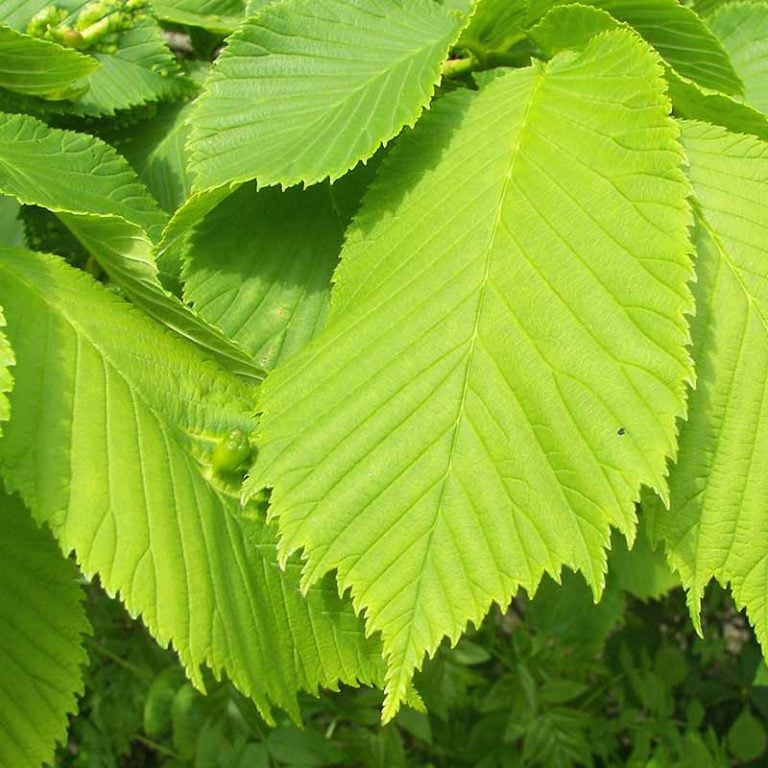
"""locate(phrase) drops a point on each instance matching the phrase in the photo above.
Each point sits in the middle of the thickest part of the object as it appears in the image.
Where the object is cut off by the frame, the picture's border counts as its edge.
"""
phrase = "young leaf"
(716, 526)
(495, 24)
(112, 215)
(743, 31)
(307, 88)
(677, 33)
(505, 357)
(260, 278)
(570, 26)
(42, 623)
(114, 423)
(41, 68)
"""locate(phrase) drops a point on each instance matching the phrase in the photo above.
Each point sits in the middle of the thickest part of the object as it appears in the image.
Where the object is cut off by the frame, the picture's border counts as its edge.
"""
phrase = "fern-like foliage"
(464, 424)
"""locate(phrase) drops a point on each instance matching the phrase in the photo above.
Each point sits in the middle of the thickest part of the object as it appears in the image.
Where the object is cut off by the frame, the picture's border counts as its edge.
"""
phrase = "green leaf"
(307, 88)
(41, 68)
(218, 16)
(642, 571)
(743, 31)
(505, 356)
(496, 24)
(155, 149)
(112, 215)
(264, 281)
(7, 359)
(746, 737)
(677, 33)
(715, 526)
(570, 26)
(695, 103)
(42, 623)
(11, 226)
(114, 424)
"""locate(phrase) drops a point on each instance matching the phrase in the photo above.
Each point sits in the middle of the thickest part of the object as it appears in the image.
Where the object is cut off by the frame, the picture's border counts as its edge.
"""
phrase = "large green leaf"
(260, 278)
(41, 68)
(505, 356)
(307, 88)
(42, 622)
(743, 30)
(717, 523)
(114, 422)
(7, 359)
(110, 213)
(676, 32)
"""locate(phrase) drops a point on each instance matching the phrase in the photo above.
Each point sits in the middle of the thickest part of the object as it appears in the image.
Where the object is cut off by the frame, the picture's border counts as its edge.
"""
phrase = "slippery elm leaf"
(7, 359)
(306, 89)
(676, 32)
(717, 524)
(511, 294)
(742, 27)
(114, 421)
(42, 624)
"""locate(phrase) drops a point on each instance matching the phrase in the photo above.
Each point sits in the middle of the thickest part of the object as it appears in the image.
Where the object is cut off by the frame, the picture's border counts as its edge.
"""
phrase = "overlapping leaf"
(743, 31)
(155, 149)
(259, 266)
(222, 16)
(307, 88)
(505, 357)
(677, 33)
(42, 621)
(718, 522)
(97, 195)
(40, 68)
(114, 421)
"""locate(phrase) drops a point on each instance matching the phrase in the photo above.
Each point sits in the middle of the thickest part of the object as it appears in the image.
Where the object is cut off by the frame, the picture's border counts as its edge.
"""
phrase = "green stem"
(120, 662)
(159, 748)
(458, 67)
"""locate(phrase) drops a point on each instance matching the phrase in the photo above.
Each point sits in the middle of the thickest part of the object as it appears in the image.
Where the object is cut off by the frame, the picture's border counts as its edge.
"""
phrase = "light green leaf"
(716, 526)
(114, 424)
(505, 356)
(570, 26)
(642, 571)
(260, 278)
(695, 103)
(112, 215)
(307, 88)
(41, 68)
(11, 226)
(496, 24)
(155, 149)
(677, 33)
(42, 623)
(743, 31)
(7, 359)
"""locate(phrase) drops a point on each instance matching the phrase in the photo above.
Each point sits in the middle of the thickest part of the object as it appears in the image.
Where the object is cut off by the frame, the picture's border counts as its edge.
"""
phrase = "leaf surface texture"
(505, 356)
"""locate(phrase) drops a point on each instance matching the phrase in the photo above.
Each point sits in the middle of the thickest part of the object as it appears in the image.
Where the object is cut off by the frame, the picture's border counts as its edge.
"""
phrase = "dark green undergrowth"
(623, 683)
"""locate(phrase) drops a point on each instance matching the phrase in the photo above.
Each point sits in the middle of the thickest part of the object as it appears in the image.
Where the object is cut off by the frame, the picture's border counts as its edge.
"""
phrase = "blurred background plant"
(556, 681)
